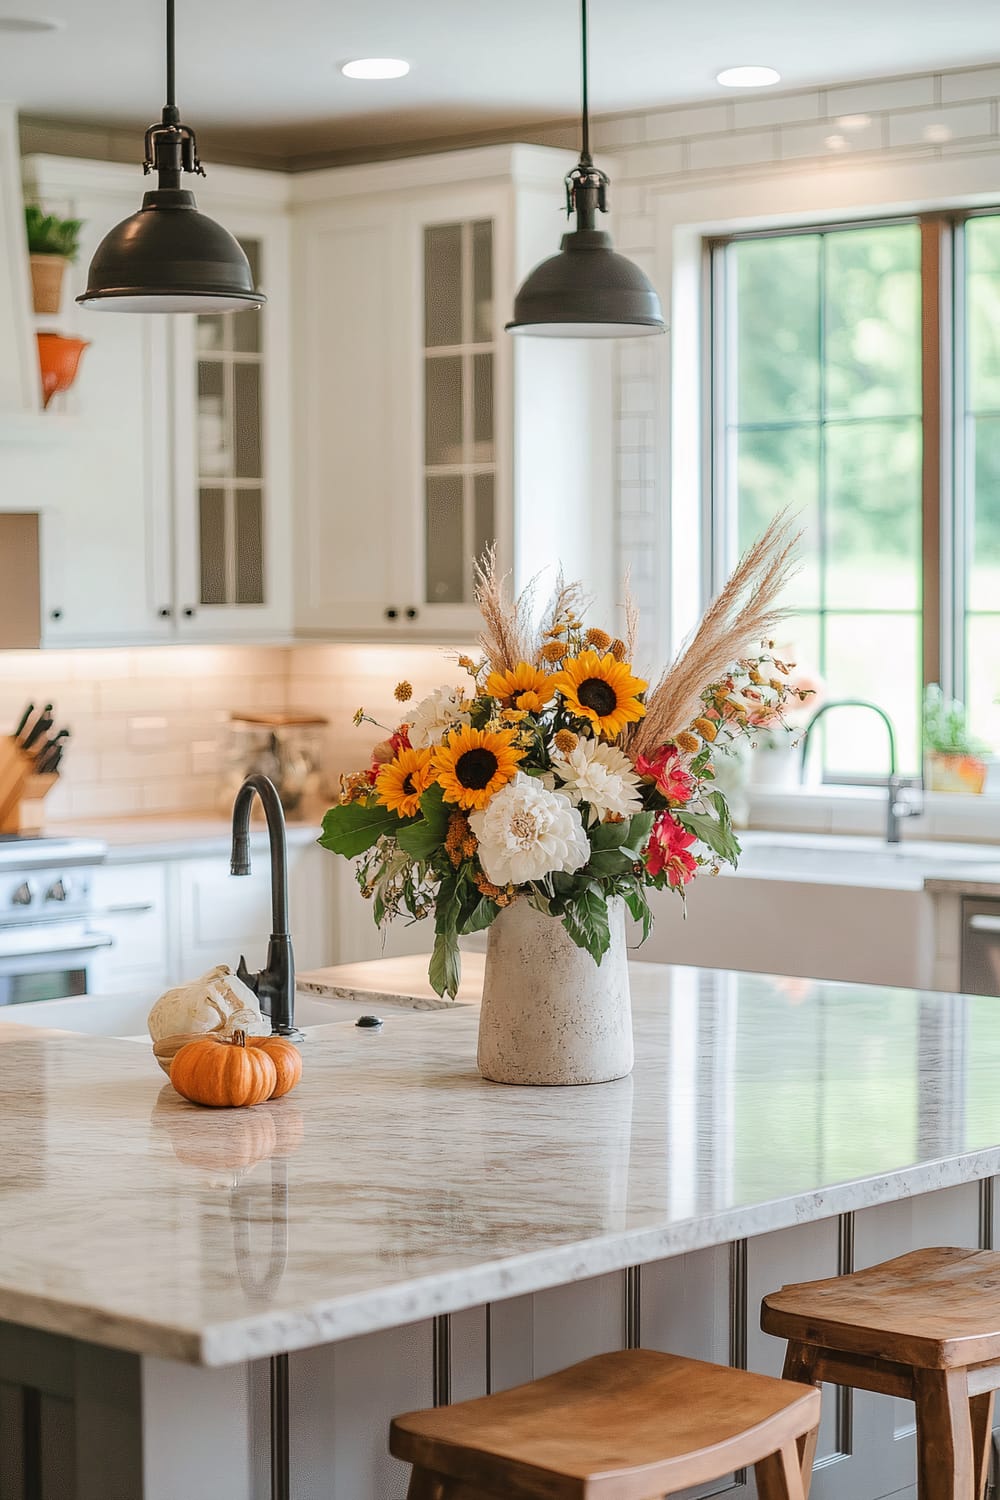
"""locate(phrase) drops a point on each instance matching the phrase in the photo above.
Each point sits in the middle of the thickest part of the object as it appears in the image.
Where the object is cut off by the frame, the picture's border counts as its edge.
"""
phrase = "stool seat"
(629, 1425)
(933, 1309)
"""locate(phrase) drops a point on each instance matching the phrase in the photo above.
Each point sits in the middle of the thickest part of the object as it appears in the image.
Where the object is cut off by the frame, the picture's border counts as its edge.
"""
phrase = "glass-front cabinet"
(459, 457)
(230, 453)
(229, 538)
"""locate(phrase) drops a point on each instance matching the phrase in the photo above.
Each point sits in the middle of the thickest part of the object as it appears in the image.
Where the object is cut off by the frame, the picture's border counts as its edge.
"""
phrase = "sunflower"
(601, 689)
(473, 764)
(400, 781)
(526, 688)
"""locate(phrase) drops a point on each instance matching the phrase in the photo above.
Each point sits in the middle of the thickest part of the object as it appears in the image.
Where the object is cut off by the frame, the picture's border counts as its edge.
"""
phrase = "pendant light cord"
(585, 153)
(171, 69)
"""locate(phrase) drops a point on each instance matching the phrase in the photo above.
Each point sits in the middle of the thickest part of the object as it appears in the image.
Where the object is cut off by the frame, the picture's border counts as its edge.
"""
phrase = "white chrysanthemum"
(435, 715)
(527, 832)
(600, 775)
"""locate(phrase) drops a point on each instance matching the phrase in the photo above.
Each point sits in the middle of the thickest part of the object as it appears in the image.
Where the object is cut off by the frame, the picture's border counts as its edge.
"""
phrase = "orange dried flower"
(707, 729)
(599, 639)
(687, 742)
(618, 650)
(566, 741)
(403, 691)
(460, 841)
(502, 895)
(553, 651)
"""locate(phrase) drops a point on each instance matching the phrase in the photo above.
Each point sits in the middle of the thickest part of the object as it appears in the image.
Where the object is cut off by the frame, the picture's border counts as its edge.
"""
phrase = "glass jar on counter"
(285, 747)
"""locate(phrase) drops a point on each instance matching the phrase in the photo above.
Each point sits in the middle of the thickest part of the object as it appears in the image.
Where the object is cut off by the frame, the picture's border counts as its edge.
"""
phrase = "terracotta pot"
(550, 1014)
(59, 359)
(47, 272)
(954, 773)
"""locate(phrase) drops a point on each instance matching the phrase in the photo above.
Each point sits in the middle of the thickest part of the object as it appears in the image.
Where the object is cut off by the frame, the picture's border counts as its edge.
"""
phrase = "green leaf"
(445, 971)
(353, 827)
(609, 862)
(586, 921)
(608, 835)
(719, 837)
(635, 900)
(482, 915)
(424, 837)
(639, 828)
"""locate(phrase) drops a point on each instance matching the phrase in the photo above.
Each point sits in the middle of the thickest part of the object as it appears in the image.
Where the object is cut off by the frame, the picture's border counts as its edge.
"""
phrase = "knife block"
(22, 793)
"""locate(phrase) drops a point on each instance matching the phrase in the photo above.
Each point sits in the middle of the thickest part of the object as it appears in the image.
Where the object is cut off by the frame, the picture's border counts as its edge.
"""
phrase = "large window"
(857, 380)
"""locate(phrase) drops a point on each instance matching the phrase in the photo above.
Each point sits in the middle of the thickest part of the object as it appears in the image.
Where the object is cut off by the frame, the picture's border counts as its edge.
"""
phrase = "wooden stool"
(925, 1326)
(627, 1426)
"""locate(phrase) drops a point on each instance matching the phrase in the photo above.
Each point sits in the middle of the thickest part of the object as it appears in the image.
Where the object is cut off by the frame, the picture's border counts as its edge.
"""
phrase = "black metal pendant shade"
(588, 290)
(168, 257)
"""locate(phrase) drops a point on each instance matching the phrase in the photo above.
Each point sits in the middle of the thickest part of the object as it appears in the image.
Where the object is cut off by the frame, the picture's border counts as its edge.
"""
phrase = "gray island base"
(231, 1305)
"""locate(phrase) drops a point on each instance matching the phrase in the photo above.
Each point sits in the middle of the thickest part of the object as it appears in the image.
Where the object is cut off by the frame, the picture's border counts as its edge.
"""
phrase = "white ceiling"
(272, 66)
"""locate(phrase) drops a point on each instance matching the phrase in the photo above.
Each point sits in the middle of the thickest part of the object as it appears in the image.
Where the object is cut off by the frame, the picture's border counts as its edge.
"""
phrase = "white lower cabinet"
(173, 919)
(130, 906)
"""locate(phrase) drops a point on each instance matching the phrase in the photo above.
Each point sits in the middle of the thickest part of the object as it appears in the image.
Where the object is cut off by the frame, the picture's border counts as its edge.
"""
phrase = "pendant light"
(168, 257)
(587, 291)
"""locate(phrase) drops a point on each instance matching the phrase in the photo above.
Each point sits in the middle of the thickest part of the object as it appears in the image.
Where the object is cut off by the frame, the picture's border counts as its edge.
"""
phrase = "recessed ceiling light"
(837, 142)
(854, 122)
(376, 67)
(747, 77)
(937, 133)
(28, 25)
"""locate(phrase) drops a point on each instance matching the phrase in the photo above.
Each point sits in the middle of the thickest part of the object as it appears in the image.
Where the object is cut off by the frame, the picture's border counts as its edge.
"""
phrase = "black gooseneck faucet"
(274, 985)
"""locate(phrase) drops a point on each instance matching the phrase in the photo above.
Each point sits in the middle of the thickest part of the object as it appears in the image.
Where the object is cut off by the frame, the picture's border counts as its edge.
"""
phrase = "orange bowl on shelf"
(59, 361)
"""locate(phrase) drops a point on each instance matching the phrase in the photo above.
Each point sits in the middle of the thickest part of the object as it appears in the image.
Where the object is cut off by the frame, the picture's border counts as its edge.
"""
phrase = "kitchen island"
(201, 1304)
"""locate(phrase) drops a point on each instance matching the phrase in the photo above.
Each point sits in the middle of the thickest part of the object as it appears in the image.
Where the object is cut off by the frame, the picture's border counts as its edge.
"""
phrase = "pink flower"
(666, 770)
(667, 852)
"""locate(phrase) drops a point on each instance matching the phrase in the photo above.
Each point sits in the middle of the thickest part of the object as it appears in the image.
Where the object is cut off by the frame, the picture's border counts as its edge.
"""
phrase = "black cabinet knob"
(165, 612)
(392, 614)
(188, 612)
(411, 613)
(55, 614)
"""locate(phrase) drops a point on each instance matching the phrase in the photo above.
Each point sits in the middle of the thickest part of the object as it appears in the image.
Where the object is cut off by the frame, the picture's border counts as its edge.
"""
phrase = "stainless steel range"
(46, 941)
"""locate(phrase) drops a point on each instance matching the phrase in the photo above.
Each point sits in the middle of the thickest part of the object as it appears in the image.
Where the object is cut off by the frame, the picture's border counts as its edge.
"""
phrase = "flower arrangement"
(554, 774)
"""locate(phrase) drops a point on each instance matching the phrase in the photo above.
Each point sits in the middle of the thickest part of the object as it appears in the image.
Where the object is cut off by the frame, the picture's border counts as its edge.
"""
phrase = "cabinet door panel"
(352, 453)
(232, 491)
(103, 482)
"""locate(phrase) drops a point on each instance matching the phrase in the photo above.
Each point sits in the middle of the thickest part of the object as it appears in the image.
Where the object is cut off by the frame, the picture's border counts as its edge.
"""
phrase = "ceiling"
(270, 72)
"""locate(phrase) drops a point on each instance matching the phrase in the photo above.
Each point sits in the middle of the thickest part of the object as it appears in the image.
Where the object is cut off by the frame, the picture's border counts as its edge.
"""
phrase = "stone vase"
(550, 1014)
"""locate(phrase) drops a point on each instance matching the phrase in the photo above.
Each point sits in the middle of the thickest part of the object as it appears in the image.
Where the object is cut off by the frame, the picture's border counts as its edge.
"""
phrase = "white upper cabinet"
(412, 401)
(166, 499)
(231, 381)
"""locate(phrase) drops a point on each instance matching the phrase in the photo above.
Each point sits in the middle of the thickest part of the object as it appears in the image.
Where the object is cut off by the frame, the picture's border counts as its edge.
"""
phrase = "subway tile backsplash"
(150, 727)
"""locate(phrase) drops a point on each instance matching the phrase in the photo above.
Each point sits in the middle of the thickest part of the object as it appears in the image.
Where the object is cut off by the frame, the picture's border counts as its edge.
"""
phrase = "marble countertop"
(985, 882)
(395, 1184)
(401, 980)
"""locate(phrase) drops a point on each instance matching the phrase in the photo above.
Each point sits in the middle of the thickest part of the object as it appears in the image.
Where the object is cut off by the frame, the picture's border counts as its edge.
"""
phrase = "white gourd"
(208, 1004)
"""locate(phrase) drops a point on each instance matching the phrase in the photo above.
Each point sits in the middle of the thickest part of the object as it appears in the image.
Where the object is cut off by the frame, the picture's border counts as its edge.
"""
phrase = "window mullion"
(937, 634)
(955, 554)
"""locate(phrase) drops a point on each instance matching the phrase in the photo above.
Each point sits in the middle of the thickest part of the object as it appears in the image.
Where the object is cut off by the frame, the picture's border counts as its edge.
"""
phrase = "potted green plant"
(953, 757)
(52, 243)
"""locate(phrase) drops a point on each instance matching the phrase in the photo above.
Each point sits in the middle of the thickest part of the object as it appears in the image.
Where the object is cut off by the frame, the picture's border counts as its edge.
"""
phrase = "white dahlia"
(527, 832)
(435, 715)
(600, 775)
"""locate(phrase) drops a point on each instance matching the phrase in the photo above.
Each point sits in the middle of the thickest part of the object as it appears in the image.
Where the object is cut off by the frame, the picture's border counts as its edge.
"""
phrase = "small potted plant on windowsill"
(52, 244)
(953, 757)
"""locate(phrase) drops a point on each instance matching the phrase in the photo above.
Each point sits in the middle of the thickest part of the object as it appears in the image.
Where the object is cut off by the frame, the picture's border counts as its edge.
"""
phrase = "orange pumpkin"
(223, 1072)
(287, 1061)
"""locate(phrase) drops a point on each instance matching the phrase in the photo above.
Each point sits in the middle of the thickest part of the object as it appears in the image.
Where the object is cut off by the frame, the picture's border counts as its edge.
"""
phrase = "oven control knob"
(60, 891)
(23, 896)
